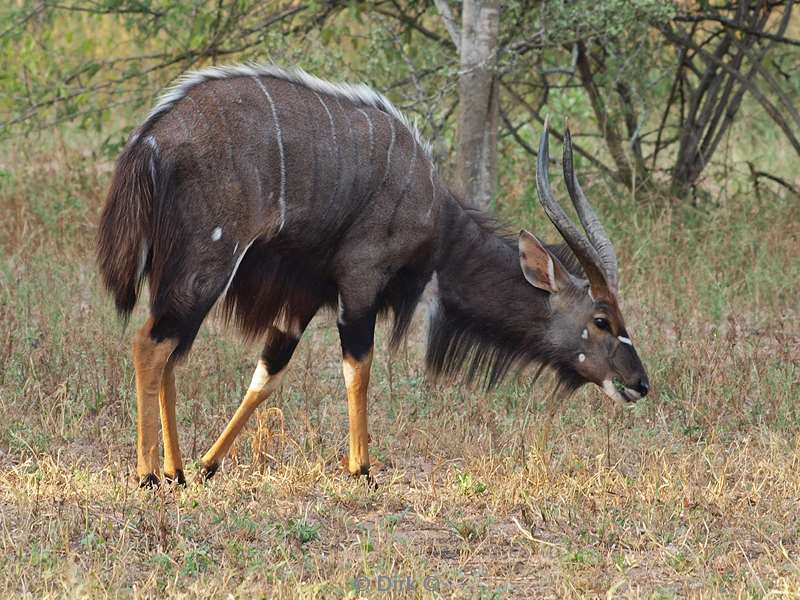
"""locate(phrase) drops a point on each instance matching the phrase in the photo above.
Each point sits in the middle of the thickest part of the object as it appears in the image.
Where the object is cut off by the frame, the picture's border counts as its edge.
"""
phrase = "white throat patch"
(611, 391)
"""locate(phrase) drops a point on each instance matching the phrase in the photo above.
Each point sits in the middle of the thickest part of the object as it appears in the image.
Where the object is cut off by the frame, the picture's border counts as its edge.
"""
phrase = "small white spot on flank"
(581, 357)
(235, 248)
(585, 334)
(216, 234)
(625, 340)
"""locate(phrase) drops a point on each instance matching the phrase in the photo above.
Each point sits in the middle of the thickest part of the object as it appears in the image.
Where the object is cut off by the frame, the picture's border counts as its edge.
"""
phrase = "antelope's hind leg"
(150, 358)
(271, 367)
(173, 464)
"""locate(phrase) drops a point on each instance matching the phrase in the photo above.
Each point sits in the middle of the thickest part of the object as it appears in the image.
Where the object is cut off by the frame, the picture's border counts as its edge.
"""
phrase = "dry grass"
(694, 492)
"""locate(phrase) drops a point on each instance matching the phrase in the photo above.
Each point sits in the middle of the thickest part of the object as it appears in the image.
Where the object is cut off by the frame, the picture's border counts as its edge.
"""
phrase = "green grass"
(693, 492)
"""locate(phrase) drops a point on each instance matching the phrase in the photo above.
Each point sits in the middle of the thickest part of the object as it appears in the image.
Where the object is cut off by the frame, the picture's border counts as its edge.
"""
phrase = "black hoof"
(207, 472)
(177, 479)
(364, 476)
(149, 481)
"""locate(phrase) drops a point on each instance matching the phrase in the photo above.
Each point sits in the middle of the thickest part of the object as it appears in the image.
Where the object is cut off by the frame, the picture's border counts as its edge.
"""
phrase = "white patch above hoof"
(216, 235)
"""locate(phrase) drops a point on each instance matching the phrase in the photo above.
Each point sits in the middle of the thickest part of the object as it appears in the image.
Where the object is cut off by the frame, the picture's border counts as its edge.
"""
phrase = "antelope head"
(586, 330)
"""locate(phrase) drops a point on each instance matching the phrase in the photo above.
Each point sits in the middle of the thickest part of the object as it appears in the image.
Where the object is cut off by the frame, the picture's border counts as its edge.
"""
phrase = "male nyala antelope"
(281, 194)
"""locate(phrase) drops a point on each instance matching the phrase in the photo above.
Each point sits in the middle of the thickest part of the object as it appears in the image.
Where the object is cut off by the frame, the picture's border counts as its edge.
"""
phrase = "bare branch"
(768, 106)
(534, 113)
(612, 135)
(755, 174)
(449, 22)
(738, 27)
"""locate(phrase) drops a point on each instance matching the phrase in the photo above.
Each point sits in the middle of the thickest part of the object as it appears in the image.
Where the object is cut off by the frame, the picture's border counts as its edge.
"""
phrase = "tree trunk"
(478, 101)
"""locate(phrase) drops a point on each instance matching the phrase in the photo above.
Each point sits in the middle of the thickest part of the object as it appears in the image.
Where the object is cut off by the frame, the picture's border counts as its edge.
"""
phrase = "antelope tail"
(123, 239)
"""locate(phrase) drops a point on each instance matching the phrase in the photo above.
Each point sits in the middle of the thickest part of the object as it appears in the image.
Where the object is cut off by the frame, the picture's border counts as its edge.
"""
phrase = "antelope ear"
(541, 269)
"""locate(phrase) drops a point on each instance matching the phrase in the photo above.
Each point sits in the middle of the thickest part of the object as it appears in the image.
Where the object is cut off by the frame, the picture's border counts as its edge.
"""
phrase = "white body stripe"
(413, 164)
(235, 268)
(279, 137)
(433, 191)
(359, 93)
(389, 151)
(371, 132)
(330, 117)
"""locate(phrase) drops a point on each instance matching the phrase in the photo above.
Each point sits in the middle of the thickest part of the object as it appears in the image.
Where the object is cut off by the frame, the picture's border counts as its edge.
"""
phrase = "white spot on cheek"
(581, 357)
(585, 334)
(625, 340)
(216, 234)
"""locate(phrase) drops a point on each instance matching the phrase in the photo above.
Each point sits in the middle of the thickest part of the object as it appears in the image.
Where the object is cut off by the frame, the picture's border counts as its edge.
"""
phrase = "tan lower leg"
(149, 358)
(356, 379)
(169, 426)
(261, 387)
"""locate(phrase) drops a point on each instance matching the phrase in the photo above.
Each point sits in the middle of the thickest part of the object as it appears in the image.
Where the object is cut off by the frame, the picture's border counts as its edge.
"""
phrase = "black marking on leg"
(278, 350)
(207, 472)
(357, 335)
(149, 481)
(177, 479)
(369, 479)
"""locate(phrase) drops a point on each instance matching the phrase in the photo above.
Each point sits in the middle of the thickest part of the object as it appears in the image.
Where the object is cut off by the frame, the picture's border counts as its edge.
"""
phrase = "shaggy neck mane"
(489, 318)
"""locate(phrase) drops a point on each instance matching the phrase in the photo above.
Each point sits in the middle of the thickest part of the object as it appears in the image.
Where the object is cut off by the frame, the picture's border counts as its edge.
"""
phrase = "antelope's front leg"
(357, 339)
(356, 379)
(150, 358)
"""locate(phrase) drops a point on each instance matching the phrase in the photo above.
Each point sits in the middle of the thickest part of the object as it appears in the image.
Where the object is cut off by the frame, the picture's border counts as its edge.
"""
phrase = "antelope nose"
(643, 387)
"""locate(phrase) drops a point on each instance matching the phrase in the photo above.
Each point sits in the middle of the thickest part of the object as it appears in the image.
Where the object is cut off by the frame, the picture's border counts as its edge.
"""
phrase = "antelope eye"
(602, 323)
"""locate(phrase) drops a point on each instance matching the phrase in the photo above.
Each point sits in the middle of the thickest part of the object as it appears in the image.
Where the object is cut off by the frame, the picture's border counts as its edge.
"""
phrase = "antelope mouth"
(630, 396)
(618, 391)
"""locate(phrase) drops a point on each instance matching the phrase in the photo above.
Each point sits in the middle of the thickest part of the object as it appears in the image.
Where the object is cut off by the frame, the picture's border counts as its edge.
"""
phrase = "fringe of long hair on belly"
(269, 288)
